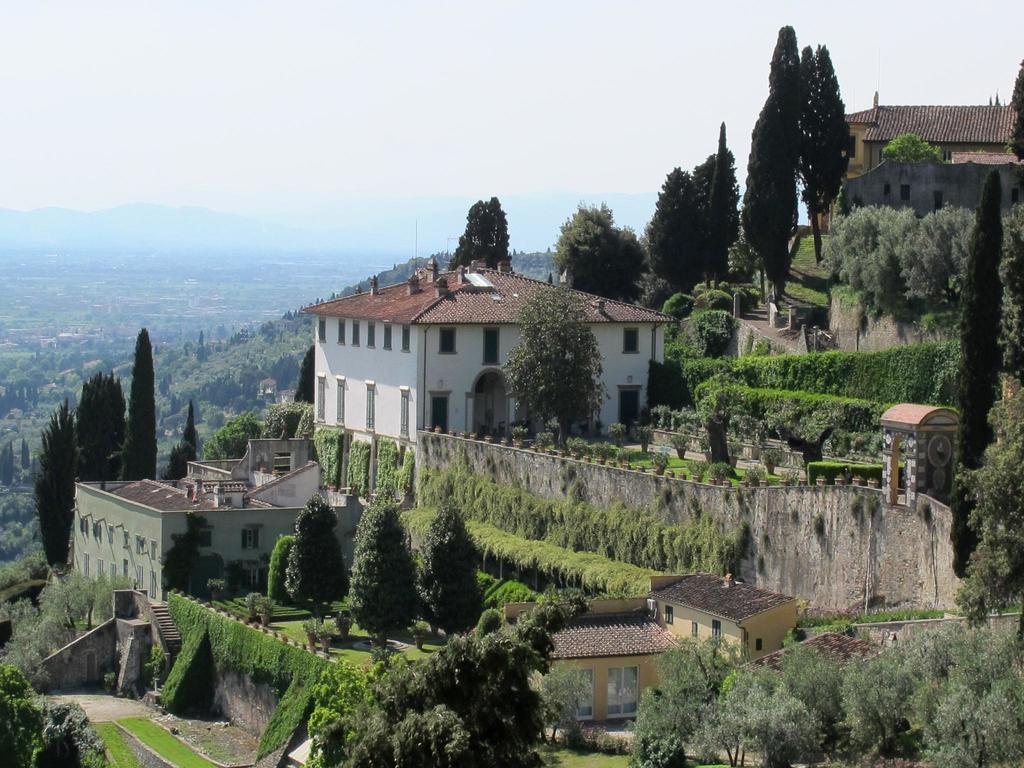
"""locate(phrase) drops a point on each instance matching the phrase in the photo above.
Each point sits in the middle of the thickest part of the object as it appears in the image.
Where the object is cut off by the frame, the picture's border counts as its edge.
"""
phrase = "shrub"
(252, 604)
(711, 331)
(830, 470)
(713, 299)
(520, 432)
(501, 593)
(544, 440)
(578, 445)
(278, 569)
(699, 470)
(720, 470)
(659, 461)
(490, 621)
(617, 432)
(756, 473)
(679, 305)
(153, 669)
(283, 420)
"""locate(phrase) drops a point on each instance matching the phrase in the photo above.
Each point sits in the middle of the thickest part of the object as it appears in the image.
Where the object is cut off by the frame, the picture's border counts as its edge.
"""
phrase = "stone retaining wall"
(840, 548)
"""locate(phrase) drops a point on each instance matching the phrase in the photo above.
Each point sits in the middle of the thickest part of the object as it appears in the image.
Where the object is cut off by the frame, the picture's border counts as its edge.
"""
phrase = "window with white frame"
(140, 545)
(152, 548)
(152, 584)
(250, 538)
(371, 333)
(321, 329)
(140, 578)
(101, 567)
(371, 392)
(321, 395)
(406, 334)
(387, 336)
(585, 704)
(124, 567)
(340, 416)
(404, 427)
(85, 564)
(622, 690)
(113, 570)
(341, 330)
(355, 333)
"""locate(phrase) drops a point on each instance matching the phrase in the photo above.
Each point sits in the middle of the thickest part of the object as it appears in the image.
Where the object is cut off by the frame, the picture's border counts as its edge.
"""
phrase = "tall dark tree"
(307, 372)
(1012, 273)
(26, 460)
(723, 210)
(383, 596)
(55, 484)
(486, 235)
(138, 457)
(189, 435)
(7, 464)
(1017, 102)
(980, 360)
(100, 426)
(770, 202)
(448, 589)
(824, 137)
(676, 234)
(315, 575)
(599, 257)
(177, 462)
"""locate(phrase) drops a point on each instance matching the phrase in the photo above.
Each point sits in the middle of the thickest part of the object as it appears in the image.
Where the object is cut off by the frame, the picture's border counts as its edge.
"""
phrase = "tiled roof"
(946, 124)
(710, 594)
(985, 158)
(611, 634)
(498, 301)
(915, 414)
(842, 649)
(161, 496)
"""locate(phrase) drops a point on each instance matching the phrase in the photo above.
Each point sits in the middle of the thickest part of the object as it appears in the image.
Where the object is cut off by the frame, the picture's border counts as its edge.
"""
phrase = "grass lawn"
(675, 463)
(570, 758)
(164, 744)
(121, 755)
(808, 282)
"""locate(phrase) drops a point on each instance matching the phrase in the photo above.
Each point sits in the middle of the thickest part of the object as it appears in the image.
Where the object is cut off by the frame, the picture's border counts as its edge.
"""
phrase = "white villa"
(429, 352)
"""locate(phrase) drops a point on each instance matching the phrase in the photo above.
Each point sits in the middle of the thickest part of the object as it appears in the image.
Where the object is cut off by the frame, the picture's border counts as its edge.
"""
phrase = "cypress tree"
(770, 202)
(676, 233)
(723, 210)
(1017, 102)
(824, 137)
(980, 359)
(7, 464)
(138, 457)
(55, 485)
(448, 588)
(190, 436)
(307, 372)
(315, 574)
(100, 426)
(1012, 274)
(486, 235)
(26, 461)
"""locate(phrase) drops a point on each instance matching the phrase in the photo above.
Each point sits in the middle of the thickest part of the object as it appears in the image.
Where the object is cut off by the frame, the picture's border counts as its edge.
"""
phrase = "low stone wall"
(856, 332)
(840, 548)
(84, 661)
(243, 702)
(890, 632)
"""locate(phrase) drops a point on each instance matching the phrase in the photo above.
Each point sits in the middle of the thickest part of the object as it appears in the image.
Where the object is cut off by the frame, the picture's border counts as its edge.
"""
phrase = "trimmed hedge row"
(830, 470)
(621, 533)
(212, 641)
(586, 570)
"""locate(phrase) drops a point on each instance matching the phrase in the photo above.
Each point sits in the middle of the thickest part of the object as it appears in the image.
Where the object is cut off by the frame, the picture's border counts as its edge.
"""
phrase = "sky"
(326, 114)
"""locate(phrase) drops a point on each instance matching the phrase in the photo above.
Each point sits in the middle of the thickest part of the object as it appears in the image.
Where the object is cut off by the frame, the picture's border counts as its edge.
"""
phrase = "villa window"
(321, 394)
(938, 199)
(405, 338)
(85, 564)
(694, 628)
(716, 628)
(101, 568)
(140, 545)
(490, 346)
(205, 540)
(113, 570)
(904, 192)
(340, 416)
(851, 147)
(152, 548)
(447, 345)
(124, 567)
(152, 584)
(341, 331)
(585, 704)
(404, 428)
(387, 336)
(355, 333)
(110, 534)
(370, 397)
(250, 538)
(321, 329)
(630, 340)
(140, 578)
(622, 690)
(371, 334)
(887, 189)
(759, 644)
(1015, 195)
(669, 614)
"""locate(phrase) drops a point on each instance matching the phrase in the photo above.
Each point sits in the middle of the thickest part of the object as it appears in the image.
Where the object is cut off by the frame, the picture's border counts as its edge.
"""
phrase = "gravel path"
(102, 708)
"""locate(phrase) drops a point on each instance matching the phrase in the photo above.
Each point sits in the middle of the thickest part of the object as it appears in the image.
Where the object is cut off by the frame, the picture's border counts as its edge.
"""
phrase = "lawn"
(164, 744)
(808, 281)
(675, 463)
(121, 755)
(571, 758)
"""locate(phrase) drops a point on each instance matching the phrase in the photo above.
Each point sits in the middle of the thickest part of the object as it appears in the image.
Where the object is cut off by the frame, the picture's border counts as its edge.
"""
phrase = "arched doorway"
(490, 404)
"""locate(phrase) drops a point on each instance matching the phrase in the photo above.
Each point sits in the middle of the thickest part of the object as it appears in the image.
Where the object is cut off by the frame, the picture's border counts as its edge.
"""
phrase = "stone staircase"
(168, 631)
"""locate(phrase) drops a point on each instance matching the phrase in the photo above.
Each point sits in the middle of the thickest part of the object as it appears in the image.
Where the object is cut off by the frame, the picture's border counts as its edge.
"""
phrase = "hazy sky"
(288, 109)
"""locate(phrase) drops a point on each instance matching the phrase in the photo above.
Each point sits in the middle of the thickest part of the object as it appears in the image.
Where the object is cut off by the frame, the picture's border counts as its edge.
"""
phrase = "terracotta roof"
(498, 299)
(710, 594)
(947, 124)
(842, 649)
(161, 496)
(985, 158)
(611, 634)
(912, 413)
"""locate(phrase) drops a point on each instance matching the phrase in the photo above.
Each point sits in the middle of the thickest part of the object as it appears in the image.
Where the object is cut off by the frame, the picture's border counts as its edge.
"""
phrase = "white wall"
(388, 369)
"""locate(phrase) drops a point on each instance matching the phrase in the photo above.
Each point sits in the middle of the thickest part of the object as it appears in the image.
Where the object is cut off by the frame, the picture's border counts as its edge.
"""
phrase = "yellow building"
(952, 128)
(703, 606)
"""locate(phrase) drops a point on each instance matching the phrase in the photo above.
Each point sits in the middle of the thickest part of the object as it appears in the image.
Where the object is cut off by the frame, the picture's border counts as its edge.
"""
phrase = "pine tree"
(770, 202)
(824, 137)
(100, 426)
(304, 389)
(55, 485)
(599, 257)
(486, 235)
(315, 575)
(723, 211)
(383, 595)
(1017, 103)
(448, 589)
(980, 360)
(26, 460)
(138, 457)
(189, 435)
(677, 232)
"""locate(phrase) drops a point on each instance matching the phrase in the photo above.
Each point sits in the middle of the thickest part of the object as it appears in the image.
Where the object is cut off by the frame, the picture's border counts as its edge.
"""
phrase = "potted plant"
(252, 606)
(872, 482)
(324, 635)
(735, 449)
(770, 458)
(519, 433)
(659, 461)
(645, 433)
(789, 477)
(680, 443)
(309, 626)
(437, 430)
(265, 608)
(720, 472)
(419, 631)
(488, 439)
(756, 476)
(699, 470)
(705, 448)
(617, 432)
(216, 587)
(110, 682)
(343, 621)
(820, 481)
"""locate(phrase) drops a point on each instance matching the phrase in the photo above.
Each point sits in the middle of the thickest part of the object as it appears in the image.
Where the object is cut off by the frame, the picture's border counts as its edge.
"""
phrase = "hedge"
(618, 532)
(330, 445)
(359, 467)
(213, 641)
(387, 465)
(586, 570)
(830, 470)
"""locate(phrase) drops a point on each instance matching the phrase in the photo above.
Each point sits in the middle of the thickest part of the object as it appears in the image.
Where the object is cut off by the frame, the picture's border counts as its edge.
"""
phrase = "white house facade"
(429, 353)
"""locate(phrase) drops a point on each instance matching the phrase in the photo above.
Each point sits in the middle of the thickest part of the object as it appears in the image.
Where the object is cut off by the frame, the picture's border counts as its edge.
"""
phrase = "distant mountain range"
(397, 228)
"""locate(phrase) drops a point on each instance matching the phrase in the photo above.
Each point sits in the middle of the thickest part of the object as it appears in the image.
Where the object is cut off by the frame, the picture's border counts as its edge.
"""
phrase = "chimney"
(441, 285)
(432, 266)
(505, 266)
(414, 284)
(374, 286)
(477, 264)
(874, 102)
(462, 275)
(727, 581)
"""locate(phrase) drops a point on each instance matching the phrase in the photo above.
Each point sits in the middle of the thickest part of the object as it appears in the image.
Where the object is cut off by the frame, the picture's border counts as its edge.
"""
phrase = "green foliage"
(307, 372)
(177, 463)
(138, 456)
(68, 739)
(153, 669)
(875, 695)
(491, 620)
(276, 589)
(619, 533)
(1017, 102)
(830, 470)
(555, 370)
(181, 558)
(232, 440)
(316, 570)
(1012, 275)
(505, 591)
(55, 485)
(407, 473)
(359, 467)
(387, 466)
(210, 639)
(723, 210)
(20, 720)
(599, 257)
(448, 589)
(678, 231)
(679, 305)
(561, 690)
(911, 148)
(341, 691)
(383, 597)
(283, 420)
(714, 299)
(665, 384)
(486, 235)
(711, 331)
(100, 428)
(330, 446)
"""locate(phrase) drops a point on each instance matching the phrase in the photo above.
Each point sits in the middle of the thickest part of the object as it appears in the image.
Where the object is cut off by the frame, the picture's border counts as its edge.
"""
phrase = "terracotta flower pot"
(821, 481)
